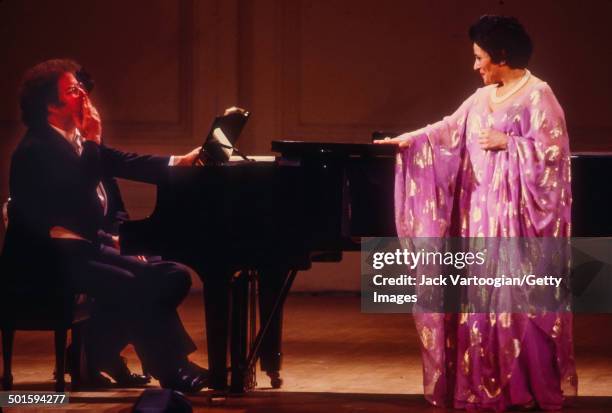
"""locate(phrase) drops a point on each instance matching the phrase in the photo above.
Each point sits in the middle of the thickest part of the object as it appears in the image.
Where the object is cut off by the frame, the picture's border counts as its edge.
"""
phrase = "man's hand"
(492, 140)
(233, 109)
(91, 124)
(192, 158)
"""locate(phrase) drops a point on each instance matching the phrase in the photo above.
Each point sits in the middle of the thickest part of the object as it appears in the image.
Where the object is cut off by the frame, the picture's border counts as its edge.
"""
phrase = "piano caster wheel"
(275, 380)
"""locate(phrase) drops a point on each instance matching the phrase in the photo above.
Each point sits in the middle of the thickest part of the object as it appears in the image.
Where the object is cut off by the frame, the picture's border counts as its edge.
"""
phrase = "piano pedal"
(275, 379)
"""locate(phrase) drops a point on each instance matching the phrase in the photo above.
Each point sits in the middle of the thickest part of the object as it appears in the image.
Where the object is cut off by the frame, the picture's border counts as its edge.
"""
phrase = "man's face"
(70, 94)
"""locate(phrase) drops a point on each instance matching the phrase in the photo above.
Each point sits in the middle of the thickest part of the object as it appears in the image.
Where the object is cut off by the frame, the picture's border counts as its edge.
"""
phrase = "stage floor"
(336, 359)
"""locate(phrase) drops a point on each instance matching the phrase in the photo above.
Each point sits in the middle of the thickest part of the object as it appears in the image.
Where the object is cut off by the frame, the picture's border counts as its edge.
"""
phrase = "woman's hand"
(492, 140)
(401, 141)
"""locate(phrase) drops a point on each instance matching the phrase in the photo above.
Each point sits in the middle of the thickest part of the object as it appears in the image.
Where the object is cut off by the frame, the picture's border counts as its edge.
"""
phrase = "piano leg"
(242, 377)
(271, 282)
(242, 320)
(217, 305)
(274, 290)
(274, 321)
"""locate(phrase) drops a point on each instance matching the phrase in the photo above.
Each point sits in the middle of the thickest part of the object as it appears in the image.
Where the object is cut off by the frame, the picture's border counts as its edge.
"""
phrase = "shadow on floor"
(298, 402)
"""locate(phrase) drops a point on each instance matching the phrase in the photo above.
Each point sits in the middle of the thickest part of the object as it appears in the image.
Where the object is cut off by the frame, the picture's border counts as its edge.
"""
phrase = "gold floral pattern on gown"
(447, 186)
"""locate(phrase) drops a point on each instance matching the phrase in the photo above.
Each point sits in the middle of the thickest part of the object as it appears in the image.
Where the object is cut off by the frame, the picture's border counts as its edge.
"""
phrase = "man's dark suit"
(51, 185)
(116, 211)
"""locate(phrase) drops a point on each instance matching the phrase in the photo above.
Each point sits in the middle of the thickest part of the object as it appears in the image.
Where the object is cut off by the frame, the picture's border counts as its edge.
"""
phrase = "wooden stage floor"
(336, 359)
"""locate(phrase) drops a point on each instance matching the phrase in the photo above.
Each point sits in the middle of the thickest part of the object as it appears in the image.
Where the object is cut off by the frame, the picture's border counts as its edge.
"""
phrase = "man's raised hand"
(91, 123)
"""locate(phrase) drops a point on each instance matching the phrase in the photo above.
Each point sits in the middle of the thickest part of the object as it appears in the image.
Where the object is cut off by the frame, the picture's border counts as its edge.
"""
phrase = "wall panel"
(306, 69)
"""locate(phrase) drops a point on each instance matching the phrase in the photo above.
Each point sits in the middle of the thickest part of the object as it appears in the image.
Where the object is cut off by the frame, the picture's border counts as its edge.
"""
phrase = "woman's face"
(489, 71)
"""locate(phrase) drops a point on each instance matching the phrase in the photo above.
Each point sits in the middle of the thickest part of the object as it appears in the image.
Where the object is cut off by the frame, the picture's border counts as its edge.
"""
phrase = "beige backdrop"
(312, 70)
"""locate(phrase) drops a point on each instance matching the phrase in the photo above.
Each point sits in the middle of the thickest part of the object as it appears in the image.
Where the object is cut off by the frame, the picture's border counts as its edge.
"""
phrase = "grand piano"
(245, 222)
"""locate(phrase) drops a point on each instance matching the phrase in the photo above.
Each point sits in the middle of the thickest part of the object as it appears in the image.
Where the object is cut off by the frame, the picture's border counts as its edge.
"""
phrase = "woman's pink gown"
(447, 186)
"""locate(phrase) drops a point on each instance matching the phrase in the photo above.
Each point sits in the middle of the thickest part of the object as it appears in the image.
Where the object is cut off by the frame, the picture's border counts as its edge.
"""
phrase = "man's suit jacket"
(51, 185)
(116, 212)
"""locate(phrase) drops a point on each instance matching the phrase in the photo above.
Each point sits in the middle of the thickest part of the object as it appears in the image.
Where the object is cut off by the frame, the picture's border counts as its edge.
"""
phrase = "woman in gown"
(497, 167)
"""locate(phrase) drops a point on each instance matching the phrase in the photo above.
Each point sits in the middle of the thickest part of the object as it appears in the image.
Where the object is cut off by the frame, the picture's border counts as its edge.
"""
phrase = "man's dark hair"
(39, 89)
(504, 39)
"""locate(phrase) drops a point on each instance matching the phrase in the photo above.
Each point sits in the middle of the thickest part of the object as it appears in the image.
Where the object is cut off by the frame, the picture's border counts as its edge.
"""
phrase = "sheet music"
(226, 145)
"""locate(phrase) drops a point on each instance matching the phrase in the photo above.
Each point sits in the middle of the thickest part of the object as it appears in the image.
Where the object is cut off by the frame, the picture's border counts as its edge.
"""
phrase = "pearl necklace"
(519, 84)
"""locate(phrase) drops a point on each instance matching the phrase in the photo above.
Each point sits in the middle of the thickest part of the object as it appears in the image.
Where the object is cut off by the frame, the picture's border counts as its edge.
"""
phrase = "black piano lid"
(302, 148)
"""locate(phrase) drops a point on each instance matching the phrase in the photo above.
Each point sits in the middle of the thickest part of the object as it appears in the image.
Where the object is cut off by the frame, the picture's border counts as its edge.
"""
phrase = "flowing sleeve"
(540, 166)
(425, 176)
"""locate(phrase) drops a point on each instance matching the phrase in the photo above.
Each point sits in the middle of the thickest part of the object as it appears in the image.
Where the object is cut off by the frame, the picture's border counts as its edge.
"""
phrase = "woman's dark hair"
(39, 89)
(504, 39)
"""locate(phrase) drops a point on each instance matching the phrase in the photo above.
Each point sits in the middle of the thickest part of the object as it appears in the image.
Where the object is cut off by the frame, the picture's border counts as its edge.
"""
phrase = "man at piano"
(57, 203)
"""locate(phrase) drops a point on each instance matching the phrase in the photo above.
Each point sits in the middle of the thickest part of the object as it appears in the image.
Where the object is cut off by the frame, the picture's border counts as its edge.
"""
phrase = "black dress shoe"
(91, 380)
(132, 380)
(189, 378)
(122, 375)
(95, 380)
